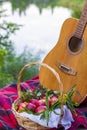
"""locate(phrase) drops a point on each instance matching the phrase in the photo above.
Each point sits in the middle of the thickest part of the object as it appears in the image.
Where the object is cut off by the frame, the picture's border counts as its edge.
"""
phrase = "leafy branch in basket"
(69, 102)
(37, 93)
(65, 99)
(42, 101)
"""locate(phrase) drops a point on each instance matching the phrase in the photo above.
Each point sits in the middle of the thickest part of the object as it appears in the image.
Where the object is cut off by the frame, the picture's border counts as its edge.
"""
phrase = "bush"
(10, 63)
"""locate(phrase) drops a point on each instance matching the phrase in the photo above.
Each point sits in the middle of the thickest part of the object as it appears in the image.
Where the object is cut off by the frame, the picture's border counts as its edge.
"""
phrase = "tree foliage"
(10, 63)
(22, 5)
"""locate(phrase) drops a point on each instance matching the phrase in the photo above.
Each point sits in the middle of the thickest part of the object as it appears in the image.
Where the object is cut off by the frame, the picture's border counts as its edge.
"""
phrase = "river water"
(40, 31)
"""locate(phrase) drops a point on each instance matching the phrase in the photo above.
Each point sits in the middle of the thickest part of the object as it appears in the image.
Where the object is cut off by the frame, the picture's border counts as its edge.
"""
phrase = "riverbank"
(75, 5)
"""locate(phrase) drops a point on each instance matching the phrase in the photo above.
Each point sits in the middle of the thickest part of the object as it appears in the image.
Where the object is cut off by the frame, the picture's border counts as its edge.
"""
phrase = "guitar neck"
(82, 23)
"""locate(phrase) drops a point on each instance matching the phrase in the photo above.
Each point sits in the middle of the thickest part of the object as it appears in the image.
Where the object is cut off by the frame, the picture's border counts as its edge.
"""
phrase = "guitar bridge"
(66, 69)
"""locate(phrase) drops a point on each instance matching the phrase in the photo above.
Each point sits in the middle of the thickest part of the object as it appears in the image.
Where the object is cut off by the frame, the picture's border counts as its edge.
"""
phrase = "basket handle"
(41, 64)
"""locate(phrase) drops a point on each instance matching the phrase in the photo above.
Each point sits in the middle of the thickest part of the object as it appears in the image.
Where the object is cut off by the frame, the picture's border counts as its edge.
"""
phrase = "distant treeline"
(22, 5)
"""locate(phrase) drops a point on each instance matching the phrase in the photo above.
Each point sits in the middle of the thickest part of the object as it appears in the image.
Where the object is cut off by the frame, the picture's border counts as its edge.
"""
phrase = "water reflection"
(23, 5)
(40, 31)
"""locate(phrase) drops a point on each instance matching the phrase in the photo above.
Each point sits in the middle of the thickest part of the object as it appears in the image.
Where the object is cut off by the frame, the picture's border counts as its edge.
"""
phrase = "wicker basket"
(24, 121)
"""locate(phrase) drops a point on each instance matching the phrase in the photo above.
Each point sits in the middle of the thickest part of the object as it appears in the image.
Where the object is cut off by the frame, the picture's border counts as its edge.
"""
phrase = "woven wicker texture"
(24, 121)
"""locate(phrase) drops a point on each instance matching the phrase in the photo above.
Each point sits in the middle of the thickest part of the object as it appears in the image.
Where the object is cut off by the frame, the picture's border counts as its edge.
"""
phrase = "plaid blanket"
(9, 93)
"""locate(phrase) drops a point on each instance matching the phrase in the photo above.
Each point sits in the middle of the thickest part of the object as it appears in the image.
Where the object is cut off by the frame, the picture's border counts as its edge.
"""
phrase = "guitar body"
(61, 58)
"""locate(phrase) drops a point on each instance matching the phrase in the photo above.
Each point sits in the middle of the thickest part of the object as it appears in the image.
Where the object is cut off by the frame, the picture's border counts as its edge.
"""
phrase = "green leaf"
(55, 105)
(71, 91)
(47, 103)
(47, 116)
(70, 105)
(77, 92)
(42, 116)
(29, 111)
(56, 112)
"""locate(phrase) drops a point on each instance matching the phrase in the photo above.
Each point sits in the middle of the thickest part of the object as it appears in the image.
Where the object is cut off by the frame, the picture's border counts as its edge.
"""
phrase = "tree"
(10, 63)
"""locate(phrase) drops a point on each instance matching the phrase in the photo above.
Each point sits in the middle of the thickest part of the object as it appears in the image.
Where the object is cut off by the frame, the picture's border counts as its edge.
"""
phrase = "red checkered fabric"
(9, 93)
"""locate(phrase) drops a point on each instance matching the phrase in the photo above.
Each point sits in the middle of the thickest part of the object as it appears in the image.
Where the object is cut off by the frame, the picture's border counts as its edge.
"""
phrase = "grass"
(75, 5)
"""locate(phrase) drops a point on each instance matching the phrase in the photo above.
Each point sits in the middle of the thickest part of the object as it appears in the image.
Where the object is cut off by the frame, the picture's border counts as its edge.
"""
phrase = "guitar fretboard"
(82, 23)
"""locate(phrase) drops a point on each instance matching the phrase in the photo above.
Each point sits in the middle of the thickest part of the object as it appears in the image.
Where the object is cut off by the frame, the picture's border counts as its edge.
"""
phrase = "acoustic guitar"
(69, 58)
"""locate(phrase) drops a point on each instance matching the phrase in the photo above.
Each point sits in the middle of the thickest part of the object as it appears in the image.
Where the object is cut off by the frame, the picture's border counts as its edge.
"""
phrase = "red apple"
(34, 101)
(22, 104)
(31, 106)
(21, 107)
(50, 102)
(40, 109)
(53, 100)
(42, 102)
(26, 103)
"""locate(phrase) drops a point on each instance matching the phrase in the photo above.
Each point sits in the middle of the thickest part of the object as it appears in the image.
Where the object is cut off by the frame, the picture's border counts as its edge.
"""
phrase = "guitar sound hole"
(75, 45)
